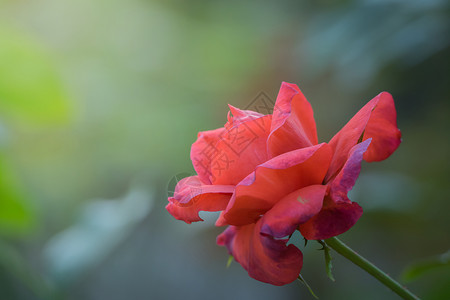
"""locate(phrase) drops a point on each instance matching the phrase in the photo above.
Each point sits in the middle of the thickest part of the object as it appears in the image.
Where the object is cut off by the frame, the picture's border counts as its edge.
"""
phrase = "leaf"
(12, 262)
(15, 215)
(328, 259)
(417, 269)
(230, 260)
(302, 280)
(30, 87)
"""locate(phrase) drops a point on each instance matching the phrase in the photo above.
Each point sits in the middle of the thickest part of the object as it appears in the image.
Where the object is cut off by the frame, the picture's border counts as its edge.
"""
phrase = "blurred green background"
(101, 100)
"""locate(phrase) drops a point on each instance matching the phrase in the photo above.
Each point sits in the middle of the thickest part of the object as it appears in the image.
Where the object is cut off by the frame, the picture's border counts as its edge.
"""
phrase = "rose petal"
(378, 112)
(192, 196)
(274, 179)
(293, 210)
(202, 152)
(338, 214)
(221, 220)
(334, 219)
(241, 147)
(346, 178)
(382, 129)
(293, 125)
(266, 259)
(237, 116)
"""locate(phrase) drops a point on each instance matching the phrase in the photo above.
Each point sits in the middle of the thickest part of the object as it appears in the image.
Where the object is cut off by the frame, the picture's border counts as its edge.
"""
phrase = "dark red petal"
(334, 219)
(293, 125)
(266, 259)
(274, 179)
(293, 210)
(338, 214)
(192, 196)
(382, 129)
(242, 146)
(202, 152)
(346, 178)
(378, 112)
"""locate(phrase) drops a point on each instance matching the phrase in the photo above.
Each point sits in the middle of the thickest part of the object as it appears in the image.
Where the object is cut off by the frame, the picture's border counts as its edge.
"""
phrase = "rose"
(269, 177)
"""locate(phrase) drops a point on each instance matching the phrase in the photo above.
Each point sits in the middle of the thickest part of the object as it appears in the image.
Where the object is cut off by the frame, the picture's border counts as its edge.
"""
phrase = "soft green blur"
(101, 100)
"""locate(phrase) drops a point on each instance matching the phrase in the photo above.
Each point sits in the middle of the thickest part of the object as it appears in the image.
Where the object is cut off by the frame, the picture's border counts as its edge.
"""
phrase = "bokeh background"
(101, 100)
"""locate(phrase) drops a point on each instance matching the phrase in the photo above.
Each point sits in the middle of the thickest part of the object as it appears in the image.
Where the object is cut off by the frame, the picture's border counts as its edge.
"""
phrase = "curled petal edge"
(192, 196)
(264, 258)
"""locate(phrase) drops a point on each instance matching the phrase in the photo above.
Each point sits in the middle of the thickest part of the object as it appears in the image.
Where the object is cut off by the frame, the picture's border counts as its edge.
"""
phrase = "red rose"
(269, 177)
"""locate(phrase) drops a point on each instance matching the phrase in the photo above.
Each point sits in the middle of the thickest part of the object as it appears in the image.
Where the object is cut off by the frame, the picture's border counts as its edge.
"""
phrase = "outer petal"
(202, 152)
(334, 219)
(266, 259)
(293, 210)
(379, 112)
(221, 220)
(382, 129)
(338, 214)
(271, 181)
(192, 196)
(241, 147)
(293, 125)
(346, 178)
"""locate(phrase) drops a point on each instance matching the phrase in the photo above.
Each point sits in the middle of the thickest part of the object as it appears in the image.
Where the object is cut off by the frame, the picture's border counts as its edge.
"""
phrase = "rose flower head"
(269, 177)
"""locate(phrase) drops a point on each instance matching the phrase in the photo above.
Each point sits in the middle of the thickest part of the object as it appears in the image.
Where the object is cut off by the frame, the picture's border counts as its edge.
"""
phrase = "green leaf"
(328, 259)
(12, 262)
(30, 87)
(302, 280)
(230, 260)
(417, 269)
(15, 215)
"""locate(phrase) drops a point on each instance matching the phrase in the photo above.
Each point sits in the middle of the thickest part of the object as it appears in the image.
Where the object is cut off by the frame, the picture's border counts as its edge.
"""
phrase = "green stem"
(363, 263)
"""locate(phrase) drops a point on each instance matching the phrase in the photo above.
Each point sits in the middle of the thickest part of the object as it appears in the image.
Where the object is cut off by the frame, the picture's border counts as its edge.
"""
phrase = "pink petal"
(334, 219)
(293, 210)
(348, 137)
(274, 179)
(237, 116)
(241, 147)
(378, 113)
(382, 129)
(293, 125)
(266, 259)
(192, 196)
(221, 220)
(346, 178)
(338, 214)
(202, 152)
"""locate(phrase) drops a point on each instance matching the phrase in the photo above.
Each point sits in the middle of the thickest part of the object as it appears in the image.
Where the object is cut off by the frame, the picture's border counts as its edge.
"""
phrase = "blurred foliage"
(31, 285)
(72, 252)
(357, 40)
(97, 94)
(419, 268)
(15, 214)
(30, 87)
(30, 90)
(30, 93)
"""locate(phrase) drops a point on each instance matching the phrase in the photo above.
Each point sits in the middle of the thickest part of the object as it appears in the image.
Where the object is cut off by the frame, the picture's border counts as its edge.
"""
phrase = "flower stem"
(363, 263)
